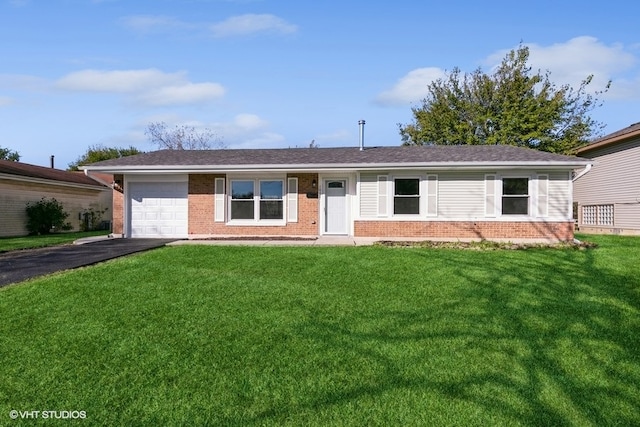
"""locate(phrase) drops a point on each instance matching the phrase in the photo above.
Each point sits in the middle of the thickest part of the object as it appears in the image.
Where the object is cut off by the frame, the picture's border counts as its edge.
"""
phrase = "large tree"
(182, 137)
(511, 106)
(98, 153)
(7, 154)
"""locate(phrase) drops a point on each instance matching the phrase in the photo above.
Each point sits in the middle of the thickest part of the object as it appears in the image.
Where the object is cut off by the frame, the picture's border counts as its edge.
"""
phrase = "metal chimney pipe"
(361, 124)
(52, 162)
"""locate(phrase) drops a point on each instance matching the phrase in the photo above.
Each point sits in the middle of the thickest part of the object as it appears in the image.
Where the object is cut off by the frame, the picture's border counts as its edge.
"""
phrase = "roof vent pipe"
(361, 124)
(52, 162)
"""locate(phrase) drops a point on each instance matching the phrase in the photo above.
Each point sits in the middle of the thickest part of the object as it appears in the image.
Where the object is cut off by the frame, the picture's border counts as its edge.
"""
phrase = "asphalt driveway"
(17, 266)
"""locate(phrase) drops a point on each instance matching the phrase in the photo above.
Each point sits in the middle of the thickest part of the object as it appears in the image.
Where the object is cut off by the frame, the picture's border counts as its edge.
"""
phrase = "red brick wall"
(559, 231)
(201, 210)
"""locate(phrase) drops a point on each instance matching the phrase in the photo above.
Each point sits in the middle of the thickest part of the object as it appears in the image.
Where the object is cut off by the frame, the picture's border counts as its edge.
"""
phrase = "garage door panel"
(159, 209)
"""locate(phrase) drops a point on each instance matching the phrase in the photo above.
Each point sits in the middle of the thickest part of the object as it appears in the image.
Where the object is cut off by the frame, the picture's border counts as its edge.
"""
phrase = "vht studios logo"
(60, 415)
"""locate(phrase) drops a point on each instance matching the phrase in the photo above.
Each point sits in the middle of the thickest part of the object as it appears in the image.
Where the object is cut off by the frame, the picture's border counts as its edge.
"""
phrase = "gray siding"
(614, 179)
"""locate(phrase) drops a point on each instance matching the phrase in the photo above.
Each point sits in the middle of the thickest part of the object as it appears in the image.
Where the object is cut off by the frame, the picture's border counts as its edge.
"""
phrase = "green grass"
(214, 335)
(32, 242)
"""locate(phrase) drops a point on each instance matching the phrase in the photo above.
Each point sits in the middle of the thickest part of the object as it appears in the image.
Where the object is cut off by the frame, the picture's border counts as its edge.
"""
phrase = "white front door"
(335, 207)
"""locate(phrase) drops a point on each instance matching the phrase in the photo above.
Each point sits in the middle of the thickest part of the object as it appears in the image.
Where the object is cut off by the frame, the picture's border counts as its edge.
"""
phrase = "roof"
(436, 156)
(39, 172)
(612, 138)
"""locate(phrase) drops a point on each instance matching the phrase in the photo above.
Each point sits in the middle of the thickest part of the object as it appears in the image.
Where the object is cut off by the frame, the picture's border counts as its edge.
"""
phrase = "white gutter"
(583, 173)
(330, 167)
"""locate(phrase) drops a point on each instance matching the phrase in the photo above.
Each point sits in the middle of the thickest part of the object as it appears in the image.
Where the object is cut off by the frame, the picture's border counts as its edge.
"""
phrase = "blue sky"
(273, 74)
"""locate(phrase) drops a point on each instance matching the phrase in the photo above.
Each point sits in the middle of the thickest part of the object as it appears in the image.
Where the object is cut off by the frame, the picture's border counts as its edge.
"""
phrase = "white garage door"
(158, 209)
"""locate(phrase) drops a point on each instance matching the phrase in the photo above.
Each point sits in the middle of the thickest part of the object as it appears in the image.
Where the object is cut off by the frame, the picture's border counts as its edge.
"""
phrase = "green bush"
(46, 216)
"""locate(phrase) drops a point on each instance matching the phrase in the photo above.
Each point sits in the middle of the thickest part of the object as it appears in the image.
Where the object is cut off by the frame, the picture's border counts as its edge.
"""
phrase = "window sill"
(257, 223)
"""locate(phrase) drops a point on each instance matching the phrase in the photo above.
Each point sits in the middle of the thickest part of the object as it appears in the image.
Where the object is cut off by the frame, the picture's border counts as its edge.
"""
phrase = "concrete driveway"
(17, 266)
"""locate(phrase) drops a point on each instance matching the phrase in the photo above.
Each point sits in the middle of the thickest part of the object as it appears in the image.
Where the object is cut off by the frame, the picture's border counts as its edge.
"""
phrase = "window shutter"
(292, 199)
(219, 200)
(543, 195)
(383, 197)
(490, 195)
(432, 195)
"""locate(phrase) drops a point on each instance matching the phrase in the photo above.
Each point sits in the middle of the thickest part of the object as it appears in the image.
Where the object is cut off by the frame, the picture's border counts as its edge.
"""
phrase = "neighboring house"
(430, 192)
(21, 183)
(608, 197)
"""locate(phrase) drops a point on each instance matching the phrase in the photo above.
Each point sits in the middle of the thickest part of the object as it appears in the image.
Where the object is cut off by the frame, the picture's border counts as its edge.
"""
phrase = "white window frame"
(421, 196)
(500, 196)
(256, 201)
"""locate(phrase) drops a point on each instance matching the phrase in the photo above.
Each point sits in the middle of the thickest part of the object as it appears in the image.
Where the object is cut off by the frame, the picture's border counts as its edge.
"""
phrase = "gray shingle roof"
(40, 172)
(338, 157)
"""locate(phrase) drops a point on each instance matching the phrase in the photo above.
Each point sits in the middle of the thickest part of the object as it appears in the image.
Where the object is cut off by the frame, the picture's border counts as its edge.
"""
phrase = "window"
(268, 204)
(242, 205)
(406, 196)
(515, 196)
(271, 203)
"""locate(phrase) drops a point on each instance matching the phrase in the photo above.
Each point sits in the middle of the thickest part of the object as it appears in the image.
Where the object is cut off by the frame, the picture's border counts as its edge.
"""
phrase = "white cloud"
(412, 87)
(243, 25)
(187, 93)
(571, 62)
(149, 87)
(568, 63)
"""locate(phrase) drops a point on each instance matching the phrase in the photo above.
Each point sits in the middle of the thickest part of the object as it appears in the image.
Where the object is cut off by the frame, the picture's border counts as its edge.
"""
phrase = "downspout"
(583, 173)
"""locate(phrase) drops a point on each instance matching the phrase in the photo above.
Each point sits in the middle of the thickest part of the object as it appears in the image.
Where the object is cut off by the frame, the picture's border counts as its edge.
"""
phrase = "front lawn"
(44, 240)
(214, 335)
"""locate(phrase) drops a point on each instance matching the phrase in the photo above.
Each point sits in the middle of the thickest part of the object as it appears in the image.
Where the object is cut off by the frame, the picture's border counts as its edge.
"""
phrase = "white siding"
(461, 195)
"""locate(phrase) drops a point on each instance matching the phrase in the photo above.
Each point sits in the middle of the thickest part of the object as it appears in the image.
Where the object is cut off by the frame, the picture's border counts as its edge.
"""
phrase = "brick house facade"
(452, 192)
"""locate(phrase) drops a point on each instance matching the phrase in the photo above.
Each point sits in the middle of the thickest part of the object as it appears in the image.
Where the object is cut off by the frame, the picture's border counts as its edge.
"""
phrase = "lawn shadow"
(554, 341)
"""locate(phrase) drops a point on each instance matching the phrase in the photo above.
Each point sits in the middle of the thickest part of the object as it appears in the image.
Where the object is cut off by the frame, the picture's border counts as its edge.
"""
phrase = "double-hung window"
(257, 199)
(271, 199)
(406, 196)
(242, 200)
(515, 196)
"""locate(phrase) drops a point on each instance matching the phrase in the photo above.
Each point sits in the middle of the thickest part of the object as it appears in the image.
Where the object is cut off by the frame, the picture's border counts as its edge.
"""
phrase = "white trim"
(382, 195)
(432, 194)
(338, 167)
(350, 189)
(256, 221)
(421, 199)
(219, 199)
(541, 203)
(490, 195)
(292, 199)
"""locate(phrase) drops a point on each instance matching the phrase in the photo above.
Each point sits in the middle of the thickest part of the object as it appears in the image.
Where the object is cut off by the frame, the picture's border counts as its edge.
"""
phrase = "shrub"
(45, 216)
(91, 219)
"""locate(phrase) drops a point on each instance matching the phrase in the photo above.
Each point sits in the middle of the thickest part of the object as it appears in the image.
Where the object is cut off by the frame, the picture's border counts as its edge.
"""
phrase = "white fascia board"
(350, 167)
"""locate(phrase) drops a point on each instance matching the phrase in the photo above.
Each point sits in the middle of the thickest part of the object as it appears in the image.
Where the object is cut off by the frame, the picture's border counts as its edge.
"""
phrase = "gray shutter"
(432, 195)
(383, 197)
(490, 196)
(292, 199)
(219, 200)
